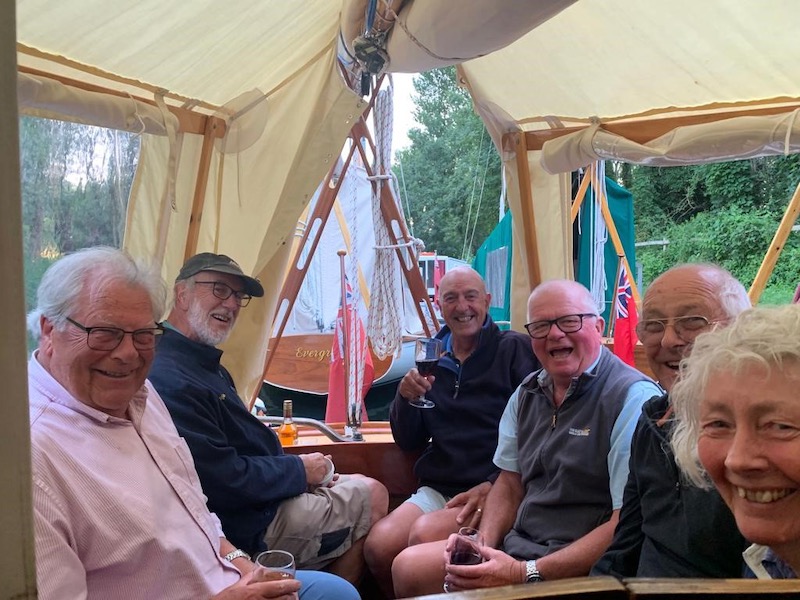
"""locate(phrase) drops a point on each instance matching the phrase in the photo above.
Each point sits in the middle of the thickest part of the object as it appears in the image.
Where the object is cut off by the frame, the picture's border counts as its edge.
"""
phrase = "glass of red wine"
(467, 547)
(427, 355)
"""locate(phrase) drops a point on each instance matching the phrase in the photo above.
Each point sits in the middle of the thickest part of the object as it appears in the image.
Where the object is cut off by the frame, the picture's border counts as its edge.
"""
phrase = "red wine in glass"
(466, 557)
(427, 367)
(427, 352)
(467, 547)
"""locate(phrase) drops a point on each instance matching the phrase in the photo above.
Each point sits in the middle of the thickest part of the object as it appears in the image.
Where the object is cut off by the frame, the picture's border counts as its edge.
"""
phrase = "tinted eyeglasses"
(108, 338)
(651, 331)
(568, 324)
(223, 291)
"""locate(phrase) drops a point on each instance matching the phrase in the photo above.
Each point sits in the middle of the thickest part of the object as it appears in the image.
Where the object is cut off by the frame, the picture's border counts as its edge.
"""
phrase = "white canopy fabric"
(197, 55)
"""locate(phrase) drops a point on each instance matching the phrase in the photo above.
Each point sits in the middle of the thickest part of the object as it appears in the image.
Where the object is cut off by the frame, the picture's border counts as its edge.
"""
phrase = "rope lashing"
(384, 325)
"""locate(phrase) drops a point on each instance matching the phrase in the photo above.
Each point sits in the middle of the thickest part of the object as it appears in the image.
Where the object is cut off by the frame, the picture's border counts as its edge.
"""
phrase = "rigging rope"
(480, 198)
(600, 236)
(472, 197)
(384, 326)
(409, 218)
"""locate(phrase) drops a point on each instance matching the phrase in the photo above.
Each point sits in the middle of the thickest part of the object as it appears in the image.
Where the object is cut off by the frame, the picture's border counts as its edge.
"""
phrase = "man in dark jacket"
(668, 527)
(479, 370)
(263, 497)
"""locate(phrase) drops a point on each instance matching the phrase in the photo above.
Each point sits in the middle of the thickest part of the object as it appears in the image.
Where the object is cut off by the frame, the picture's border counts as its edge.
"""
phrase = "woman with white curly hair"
(738, 411)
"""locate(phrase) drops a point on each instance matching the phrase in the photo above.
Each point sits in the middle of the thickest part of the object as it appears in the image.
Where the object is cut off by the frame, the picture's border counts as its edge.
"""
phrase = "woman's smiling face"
(750, 445)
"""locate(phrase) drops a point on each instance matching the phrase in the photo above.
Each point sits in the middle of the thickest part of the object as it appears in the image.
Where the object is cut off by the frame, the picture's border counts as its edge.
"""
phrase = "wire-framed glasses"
(108, 338)
(223, 291)
(687, 328)
(568, 324)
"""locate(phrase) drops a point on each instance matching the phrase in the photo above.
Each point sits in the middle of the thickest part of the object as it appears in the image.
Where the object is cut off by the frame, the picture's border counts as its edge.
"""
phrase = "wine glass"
(274, 565)
(467, 547)
(427, 357)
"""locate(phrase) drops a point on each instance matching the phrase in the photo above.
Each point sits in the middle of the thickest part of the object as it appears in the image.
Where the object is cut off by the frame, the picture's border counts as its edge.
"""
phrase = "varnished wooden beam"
(189, 121)
(775, 248)
(529, 242)
(646, 130)
(200, 186)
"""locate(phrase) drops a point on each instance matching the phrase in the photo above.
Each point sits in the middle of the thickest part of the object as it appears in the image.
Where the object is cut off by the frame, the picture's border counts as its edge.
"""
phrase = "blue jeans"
(318, 585)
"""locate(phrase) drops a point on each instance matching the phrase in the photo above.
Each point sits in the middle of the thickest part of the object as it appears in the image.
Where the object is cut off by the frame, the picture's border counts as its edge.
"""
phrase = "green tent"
(493, 262)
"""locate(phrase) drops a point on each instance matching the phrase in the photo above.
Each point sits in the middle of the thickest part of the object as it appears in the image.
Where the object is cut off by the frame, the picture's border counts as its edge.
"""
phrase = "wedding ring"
(446, 587)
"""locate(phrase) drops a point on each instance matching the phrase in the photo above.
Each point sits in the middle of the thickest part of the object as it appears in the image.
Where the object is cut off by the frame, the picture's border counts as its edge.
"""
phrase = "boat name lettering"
(319, 355)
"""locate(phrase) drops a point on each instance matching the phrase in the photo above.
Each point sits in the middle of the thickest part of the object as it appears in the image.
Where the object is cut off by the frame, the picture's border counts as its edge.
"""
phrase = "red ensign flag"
(361, 368)
(625, 319)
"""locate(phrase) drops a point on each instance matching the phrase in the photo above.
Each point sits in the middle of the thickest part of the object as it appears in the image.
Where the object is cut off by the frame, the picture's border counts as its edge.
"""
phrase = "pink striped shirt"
(118, 508)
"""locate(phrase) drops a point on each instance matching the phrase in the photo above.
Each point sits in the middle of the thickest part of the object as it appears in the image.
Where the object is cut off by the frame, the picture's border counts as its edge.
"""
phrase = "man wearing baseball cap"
(263, 497)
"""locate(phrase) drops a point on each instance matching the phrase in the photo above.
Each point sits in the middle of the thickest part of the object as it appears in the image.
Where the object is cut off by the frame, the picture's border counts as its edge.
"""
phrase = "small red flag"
(625, 319)
(361, 367)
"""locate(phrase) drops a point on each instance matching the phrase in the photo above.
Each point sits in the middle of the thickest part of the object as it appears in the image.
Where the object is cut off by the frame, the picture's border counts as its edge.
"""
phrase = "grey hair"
(61, 286)
(767, 337)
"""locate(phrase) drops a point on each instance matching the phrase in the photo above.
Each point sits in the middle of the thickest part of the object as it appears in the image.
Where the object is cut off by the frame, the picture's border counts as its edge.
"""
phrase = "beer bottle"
(287, 432)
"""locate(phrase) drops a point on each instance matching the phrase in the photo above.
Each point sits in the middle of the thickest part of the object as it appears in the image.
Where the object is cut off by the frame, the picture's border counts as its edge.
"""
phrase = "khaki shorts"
(320, 526)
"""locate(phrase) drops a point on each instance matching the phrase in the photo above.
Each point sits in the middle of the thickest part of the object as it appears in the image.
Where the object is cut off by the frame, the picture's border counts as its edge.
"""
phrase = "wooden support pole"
(530, 246)
(775, 248)
(579, 197)
(200, 186)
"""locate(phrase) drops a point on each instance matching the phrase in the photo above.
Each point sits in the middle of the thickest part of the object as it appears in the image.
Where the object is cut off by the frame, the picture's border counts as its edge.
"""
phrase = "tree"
(725, 213)
(75, 185)
(451, 171)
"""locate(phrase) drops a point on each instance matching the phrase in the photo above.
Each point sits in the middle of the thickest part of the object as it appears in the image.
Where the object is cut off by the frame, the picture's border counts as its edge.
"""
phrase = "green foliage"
(75, 184)
(450, 175)
(725, 213)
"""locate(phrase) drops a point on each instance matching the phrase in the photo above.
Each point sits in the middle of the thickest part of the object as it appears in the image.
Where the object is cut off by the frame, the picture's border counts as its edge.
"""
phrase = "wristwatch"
(231, 556)
(532, 574)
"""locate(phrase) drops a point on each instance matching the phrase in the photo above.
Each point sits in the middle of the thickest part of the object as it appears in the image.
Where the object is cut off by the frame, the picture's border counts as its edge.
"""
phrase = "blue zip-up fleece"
(458, 436)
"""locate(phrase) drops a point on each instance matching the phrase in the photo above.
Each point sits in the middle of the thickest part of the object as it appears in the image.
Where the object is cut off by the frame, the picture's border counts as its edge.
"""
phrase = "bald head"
(565, 288)
(693, 290)
(463, 274)
(464, 304)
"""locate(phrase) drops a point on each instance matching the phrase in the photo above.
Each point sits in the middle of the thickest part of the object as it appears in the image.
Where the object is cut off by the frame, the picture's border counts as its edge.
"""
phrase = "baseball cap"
(208, 261)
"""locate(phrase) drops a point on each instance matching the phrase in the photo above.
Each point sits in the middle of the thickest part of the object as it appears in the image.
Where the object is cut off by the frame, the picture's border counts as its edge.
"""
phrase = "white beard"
(198, 320)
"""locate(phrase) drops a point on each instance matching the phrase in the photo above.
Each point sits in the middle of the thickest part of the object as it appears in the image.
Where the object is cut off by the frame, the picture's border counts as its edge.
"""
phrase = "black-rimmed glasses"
(687, 328)
(223, 291)
(108, 338)
(568, 324)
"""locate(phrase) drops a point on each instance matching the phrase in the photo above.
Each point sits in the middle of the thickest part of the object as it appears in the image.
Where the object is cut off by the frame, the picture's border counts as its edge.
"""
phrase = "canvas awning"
(637, 68)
